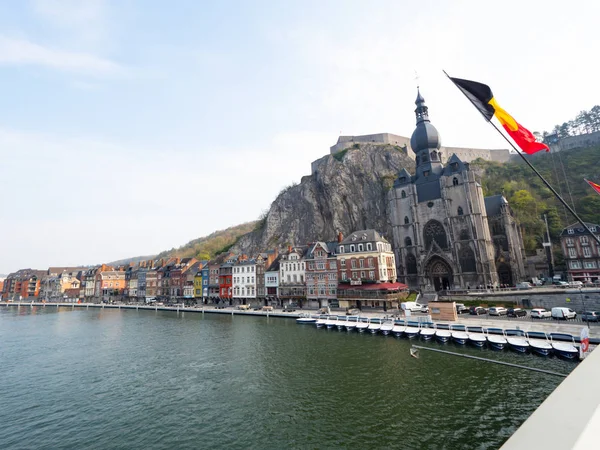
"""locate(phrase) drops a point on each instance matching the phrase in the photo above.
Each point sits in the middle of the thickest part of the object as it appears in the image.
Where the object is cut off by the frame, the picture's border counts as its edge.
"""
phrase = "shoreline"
(547, 327)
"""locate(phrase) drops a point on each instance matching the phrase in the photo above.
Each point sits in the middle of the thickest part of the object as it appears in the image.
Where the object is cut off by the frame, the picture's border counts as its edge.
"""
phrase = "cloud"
(23, 52)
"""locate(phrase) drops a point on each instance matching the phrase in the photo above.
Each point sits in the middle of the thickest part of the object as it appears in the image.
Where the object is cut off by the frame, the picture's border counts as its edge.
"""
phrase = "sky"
(129, 127)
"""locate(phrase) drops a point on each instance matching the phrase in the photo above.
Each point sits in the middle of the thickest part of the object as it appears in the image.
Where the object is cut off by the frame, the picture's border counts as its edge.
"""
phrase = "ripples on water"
(99, 379)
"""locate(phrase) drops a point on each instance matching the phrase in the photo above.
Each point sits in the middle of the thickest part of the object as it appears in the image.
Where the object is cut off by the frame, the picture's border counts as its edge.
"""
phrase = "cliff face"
(345, 193)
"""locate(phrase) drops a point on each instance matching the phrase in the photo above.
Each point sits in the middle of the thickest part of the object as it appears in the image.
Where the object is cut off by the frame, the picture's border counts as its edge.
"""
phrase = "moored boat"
(332, 322)
(566, 350)
(459, 334)
(387, 326)
(539, 343)
(306, 318)
(351, 323)
(362, 325)
(496, 339)
(442, 336)
(321, 321)
(398, 330)
(411, 331)
(516, 340)
(476, 336)
(341, 324)
(374, 326)
(427, 333)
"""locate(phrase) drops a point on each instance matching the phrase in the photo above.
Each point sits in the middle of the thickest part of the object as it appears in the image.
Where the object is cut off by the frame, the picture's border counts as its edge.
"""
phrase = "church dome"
(425, 137)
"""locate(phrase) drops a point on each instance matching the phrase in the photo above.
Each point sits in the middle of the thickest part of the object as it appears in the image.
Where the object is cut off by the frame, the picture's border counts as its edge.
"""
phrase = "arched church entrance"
(505, 274)
(439, 273)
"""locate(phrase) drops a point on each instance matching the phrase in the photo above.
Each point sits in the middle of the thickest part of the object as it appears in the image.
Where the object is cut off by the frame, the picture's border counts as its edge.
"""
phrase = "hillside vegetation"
(530, 198)
(208, 246)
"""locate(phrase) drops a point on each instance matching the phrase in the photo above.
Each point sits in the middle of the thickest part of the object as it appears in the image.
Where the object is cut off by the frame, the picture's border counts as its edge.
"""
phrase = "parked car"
(477, 310)
(540, 313)
(424, 308)
(267, 308)
(289, 308)
(524, 285)
(560, 284)
(576, 284)
(516, 312)
(563, 313)
(461, 309)
(590, 316)
(352, 311)
(411, 306)
(497, 311)
(243, 307)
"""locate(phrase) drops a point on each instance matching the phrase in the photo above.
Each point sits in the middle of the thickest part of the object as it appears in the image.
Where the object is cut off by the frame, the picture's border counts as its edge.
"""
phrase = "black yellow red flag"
(483, 99)
(594, 186)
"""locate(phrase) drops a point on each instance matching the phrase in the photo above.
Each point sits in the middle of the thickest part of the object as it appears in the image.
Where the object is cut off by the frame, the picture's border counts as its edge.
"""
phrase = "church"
(446, 234)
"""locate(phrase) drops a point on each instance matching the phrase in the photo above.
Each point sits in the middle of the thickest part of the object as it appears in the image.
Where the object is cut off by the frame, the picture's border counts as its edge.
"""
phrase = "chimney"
(340, 237)
(177, 260)
(289, 249)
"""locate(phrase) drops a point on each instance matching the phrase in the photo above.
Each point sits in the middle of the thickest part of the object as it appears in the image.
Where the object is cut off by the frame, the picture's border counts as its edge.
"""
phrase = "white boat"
(566, 350)
(427, 333)
(387, 326)
(411, 332)
(496, 340)
(442, 336)
(351, 323)
(459, 334)
(332, 322)
(374, 327)
(321, 321)
(476, 336)
(341, 324)
(398, 330)
(516, 340)
(306, 318)
(362, 325)
(539, 343)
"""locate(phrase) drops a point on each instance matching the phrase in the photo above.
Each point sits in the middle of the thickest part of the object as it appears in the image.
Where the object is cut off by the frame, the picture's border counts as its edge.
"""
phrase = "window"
(460, 211)
(587, 252)
(455, 181)
(403, 195)
(434, 231)
(584, 240)
(589, 264)
(353, 263)
(575, 264)
(434, 156)
(342, 264)
(593, 229)
(369, 246)
(361, 263)
(467, 260)
(406, 221)
(343, 276)
(370, 262)
(371, 275)
(341, 249)
(332, 265)
(360, 247)
(426, 173)
(570, 242)
(411, 264)
(571, 231)
(352, 248)
(295, 278)
(407, 242)
(425, 157)
(362, 275)
(572, 253)
(454, 167)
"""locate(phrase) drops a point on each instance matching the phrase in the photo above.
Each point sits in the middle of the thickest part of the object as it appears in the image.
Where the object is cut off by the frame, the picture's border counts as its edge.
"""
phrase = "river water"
(127, 379)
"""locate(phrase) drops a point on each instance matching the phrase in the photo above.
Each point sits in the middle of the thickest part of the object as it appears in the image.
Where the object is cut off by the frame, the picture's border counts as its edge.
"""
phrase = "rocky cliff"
(345, 192)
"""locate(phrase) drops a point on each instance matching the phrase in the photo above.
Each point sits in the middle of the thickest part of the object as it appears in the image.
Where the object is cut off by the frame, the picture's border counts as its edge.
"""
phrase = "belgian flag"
(482, 98)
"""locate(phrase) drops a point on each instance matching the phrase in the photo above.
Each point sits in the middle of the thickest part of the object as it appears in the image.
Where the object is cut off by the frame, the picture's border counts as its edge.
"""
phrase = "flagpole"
(533, 168)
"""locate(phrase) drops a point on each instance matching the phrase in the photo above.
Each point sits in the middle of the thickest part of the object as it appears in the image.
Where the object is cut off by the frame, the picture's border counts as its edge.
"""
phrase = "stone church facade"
(446, 234)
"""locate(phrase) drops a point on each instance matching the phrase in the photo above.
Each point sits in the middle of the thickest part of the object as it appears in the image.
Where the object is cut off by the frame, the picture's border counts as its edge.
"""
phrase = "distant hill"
(208, 246)
(135, 259)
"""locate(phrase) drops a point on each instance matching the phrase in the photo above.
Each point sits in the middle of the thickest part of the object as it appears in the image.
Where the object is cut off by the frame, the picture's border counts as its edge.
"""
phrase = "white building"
(292, 273)
(244, 281)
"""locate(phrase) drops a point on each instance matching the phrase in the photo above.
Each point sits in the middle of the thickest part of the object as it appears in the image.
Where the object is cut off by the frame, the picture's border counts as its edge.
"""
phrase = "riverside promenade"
(572, 328)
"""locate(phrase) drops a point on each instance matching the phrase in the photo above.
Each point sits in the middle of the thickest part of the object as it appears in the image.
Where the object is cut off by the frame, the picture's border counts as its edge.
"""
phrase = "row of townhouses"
(359, 270)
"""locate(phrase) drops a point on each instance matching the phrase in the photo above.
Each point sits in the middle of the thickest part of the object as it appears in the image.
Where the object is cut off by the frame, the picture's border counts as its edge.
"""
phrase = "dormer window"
(352, 248)
(341, 249)
(364, 237)
(425, 157)
(571, 231)
(460, 211)
(360, 247)
(593, 229)
(434, 156)
(369, 247)
(426, 173)
(402, 180)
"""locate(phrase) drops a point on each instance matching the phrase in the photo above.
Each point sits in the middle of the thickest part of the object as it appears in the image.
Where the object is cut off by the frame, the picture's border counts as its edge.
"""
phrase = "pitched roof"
(493, 205)
(364, 236)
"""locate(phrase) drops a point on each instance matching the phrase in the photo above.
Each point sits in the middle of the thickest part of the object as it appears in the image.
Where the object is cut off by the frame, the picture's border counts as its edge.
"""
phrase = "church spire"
(421, 111)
